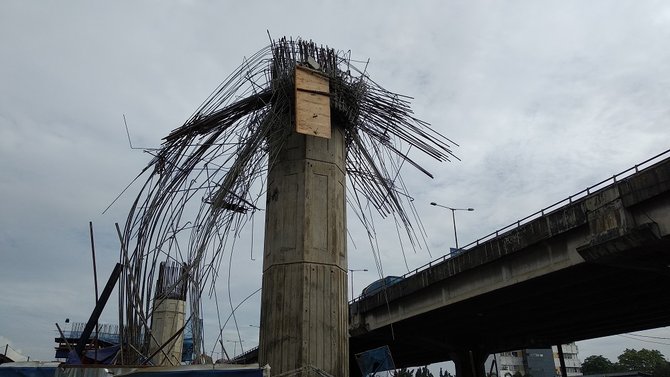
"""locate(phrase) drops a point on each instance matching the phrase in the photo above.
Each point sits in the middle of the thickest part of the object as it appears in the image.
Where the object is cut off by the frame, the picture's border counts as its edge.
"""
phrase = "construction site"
(301, 127)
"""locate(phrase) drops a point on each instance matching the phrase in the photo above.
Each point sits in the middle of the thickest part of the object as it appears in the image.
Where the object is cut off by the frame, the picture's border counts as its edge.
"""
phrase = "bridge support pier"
(469, 363)
(304, 298)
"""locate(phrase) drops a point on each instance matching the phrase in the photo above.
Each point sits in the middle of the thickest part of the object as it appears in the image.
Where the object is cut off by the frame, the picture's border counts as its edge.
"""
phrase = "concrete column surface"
(469, 363)
(304, 296)
(167, 319)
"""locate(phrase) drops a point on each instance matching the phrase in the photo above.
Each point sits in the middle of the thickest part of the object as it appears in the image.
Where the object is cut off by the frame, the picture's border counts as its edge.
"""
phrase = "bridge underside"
(627, 291)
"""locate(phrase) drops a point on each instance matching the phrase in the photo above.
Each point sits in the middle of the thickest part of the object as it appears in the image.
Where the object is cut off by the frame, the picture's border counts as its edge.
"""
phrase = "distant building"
(538, 362)
(108, 336)
(573, 366)
(508, 363)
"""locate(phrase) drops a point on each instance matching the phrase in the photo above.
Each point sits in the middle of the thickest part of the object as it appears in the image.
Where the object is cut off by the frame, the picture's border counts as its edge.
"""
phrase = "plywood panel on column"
(312, 103)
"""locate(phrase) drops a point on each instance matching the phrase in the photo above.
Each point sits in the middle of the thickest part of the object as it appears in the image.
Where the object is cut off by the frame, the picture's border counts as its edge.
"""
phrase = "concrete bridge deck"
(595, 265)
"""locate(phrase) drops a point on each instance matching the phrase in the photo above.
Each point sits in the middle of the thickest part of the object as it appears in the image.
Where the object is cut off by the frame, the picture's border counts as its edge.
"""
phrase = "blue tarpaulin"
(28, 369)
(101, 356)
(375, 360)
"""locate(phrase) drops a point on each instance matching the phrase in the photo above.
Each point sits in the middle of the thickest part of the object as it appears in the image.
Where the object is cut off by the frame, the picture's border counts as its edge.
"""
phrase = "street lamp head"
(453, 216)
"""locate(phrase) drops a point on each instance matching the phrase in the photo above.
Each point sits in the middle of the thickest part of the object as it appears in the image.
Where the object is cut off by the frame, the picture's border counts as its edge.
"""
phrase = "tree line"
(647, 361)
(644, 360)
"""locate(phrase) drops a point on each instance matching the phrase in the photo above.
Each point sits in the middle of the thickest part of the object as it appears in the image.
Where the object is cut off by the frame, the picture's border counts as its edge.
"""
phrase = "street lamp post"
(235, 348)
(352, 280)
(453, 217)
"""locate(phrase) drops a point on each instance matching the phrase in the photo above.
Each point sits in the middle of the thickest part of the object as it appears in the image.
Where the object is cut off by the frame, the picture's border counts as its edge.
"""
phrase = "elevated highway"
(595, 264)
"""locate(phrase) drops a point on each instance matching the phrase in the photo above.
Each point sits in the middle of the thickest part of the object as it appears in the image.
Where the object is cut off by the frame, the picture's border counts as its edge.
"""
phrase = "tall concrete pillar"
(168, 315)
(304, 297)
(469, 363)
(168, 318)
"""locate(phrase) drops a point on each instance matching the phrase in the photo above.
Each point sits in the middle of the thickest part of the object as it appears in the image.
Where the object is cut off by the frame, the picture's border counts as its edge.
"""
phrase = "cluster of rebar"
(205, 182)
(170, 284)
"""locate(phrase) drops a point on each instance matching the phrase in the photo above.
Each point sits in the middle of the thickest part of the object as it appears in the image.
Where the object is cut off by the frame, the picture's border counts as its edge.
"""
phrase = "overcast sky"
(544, 98)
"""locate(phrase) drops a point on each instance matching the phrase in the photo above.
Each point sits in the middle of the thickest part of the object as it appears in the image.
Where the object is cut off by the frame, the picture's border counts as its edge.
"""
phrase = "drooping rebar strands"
(170, 284)
(204, 183)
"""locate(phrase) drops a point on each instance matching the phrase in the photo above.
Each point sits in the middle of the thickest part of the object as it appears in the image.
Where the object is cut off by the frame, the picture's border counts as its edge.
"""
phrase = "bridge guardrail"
(515, 225)
(244, 354)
